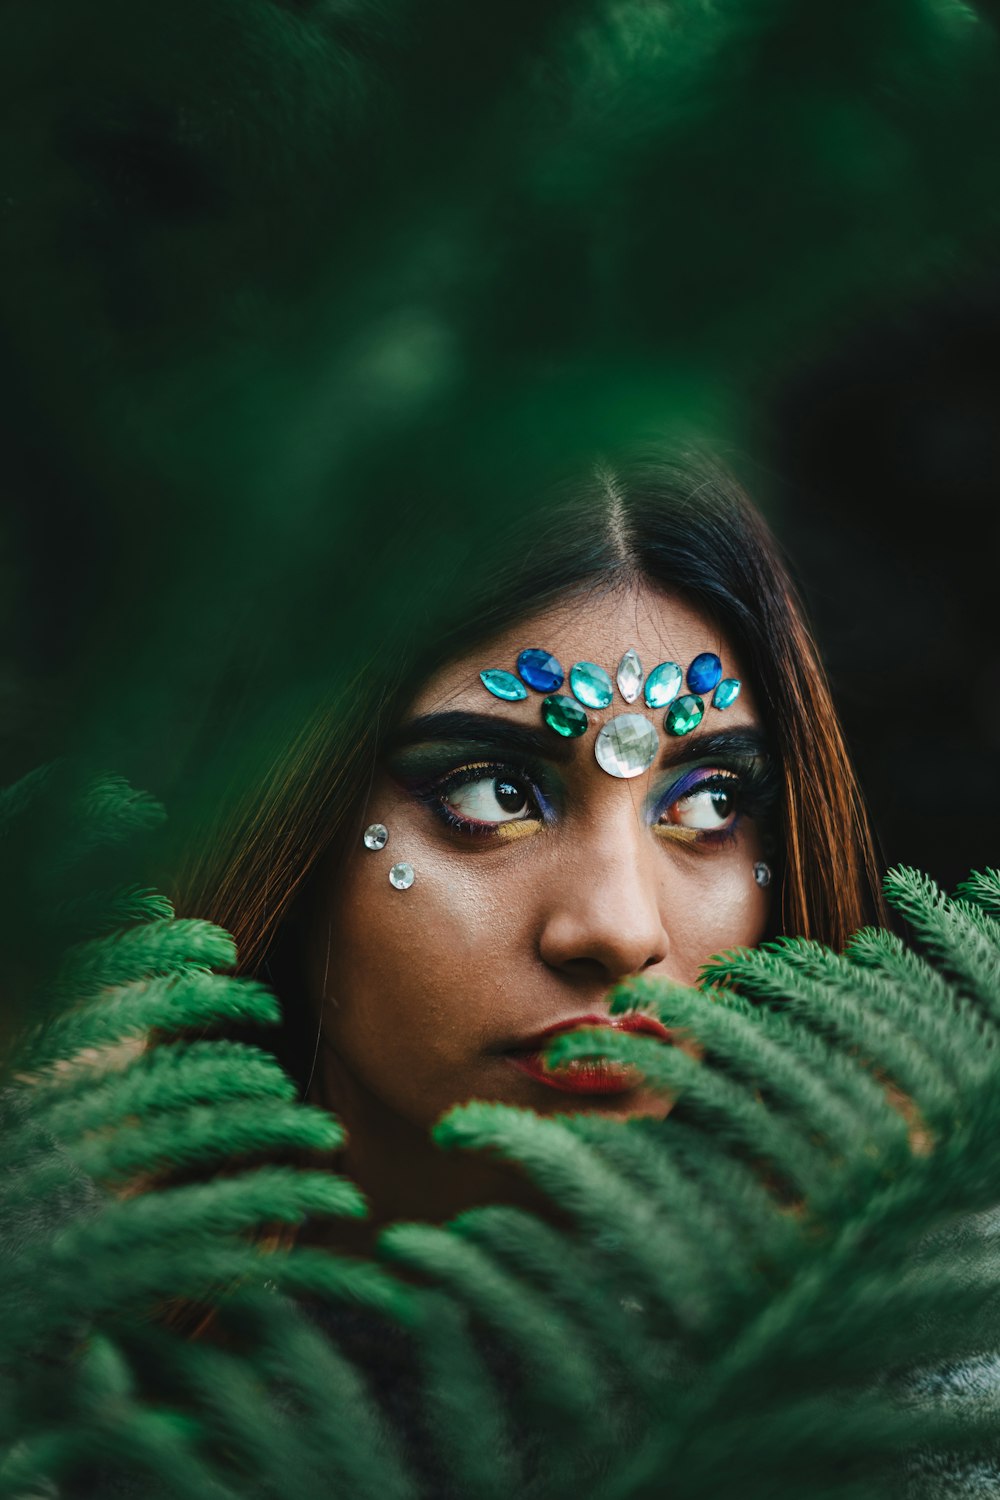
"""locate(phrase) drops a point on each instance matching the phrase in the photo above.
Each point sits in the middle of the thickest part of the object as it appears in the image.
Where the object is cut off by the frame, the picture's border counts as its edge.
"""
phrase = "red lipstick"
(586, 1075)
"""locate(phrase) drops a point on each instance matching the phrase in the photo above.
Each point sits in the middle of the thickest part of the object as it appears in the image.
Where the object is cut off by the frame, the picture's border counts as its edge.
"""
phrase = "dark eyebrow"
(488, 730)
(494, 732)
(745, 741)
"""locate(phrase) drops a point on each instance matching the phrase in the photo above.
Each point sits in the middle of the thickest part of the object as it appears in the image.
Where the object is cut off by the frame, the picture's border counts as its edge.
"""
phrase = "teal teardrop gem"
(564, 716)
(591, 684)
(503, 685)
(663, 684)
(684, 714)
(727, 692)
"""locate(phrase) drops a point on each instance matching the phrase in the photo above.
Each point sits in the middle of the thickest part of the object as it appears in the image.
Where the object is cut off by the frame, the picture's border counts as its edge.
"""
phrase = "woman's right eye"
(491, 799)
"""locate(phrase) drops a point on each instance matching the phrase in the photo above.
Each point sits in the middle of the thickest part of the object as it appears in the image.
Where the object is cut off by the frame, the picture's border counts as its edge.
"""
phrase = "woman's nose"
(603, 916)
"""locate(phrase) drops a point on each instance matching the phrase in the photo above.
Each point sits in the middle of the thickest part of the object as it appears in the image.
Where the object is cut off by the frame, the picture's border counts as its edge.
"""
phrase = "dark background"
(885, 459)
(277, 286)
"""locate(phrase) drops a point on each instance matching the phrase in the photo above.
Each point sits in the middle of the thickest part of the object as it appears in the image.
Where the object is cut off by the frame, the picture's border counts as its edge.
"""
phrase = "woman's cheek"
(420, 969)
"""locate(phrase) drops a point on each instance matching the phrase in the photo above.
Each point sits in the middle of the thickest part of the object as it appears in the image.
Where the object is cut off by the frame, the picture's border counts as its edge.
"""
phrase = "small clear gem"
(727, 692)
(684, 714)
(630, 675)
(376, 836)
(401, 876)
(762, 873)
(704, 672)
(540, 670)
(503, 685)
(564, 716)
(627, 746)
(663, 684)
(591, 684)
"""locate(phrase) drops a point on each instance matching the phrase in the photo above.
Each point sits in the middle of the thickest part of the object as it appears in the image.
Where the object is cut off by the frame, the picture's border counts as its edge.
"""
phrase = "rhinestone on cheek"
(762, 873)
(663, 684)
(727, 692)
(630, 675)
(684, 714)
(540, 670)
(626, 746)
(564, 716)
(503, 685)
(704, 672)
(591, 684)
(402, 876)
(376, 836)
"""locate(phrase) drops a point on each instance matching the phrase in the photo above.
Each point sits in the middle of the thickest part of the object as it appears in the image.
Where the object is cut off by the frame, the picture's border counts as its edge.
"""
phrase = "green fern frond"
(954, 939)
(163, 1079)
(98, 913)
(557, 1366)
(190, 1001)
(193, 1137)
(156, 948)
(470, 1423)
(982, 887)
(574, 1279)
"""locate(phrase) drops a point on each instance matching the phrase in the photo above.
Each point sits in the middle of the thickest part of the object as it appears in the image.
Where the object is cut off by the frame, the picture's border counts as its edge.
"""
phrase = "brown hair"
(680, 523)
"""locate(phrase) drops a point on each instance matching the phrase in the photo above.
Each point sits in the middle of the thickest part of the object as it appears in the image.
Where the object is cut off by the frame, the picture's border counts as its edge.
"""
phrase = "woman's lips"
(586, 1075)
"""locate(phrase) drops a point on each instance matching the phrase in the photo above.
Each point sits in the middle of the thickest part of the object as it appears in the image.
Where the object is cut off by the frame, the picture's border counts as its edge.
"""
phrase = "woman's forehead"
(598, 628)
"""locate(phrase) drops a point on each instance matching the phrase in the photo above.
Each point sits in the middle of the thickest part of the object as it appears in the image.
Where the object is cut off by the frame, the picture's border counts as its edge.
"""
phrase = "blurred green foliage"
(295, 295)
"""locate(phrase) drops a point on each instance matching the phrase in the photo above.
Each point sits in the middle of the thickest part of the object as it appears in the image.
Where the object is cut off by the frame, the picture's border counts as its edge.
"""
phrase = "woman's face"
(541, 881)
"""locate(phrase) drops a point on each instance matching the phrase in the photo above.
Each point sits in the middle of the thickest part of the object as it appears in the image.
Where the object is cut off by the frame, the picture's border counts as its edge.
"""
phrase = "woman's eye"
(706, 808)
(491, 799)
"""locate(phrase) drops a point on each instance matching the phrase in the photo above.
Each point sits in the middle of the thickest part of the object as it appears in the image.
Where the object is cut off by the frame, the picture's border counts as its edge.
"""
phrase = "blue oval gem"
(727, 692)
(503, 685)
(540, 670)
(704, 672)
(591, 684)
(663, 684)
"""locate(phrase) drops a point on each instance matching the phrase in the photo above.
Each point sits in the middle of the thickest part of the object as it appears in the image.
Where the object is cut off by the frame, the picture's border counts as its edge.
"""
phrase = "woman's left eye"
(491, 799)
(709, 807)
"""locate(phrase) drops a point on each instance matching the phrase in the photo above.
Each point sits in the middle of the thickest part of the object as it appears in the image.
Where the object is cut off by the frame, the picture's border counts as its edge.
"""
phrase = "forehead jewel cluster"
(626, 746)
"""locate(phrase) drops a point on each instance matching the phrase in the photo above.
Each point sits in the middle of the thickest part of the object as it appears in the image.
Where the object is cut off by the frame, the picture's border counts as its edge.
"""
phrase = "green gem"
(564, 716)
(726, 693)
(591, 684)
(684, 714)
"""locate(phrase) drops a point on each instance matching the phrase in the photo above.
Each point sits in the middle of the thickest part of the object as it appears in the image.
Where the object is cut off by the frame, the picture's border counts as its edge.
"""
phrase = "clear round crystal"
(627, 746)
(630, 675)
(376, 836)
(762, 873)
(401, 876)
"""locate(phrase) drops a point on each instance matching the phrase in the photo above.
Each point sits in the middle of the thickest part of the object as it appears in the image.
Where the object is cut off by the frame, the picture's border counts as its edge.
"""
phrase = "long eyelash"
(753, 784)
(433, 794)
(722, 781)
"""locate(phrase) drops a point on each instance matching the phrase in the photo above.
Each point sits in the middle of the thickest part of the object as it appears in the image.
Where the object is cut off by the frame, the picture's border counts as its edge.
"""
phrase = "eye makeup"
(732, 787)
(487, 778)
(499, 797)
